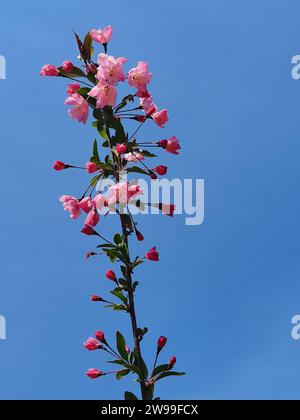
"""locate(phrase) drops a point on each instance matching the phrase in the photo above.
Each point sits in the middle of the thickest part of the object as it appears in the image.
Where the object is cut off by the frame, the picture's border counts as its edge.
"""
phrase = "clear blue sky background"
(224, 292)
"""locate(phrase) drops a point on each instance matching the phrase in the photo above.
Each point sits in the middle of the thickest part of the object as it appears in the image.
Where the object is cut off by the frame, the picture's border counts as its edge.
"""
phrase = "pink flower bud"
(67, 66)
(162, 341)
(161, 170)
(95, 298)
(153, 175)
(110, 275)
(172, 362)
(91, 167)
(94, 373)
(59, 166)
(127, 350)
(121, 149)
(91, 344)
(152, 255)
(100, 337)
(139, 236)
(49, 70)
(89, 231)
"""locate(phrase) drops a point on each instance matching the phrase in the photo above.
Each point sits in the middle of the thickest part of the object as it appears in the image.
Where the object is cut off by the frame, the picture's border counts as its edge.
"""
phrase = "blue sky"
(224, 292)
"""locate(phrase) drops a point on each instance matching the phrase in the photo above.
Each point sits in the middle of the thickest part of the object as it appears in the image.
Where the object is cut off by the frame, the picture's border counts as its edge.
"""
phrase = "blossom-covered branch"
(94, 91)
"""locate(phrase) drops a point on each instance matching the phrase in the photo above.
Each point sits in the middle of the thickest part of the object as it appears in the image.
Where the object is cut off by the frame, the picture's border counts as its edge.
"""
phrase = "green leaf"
(167, 374)
(147, 154)
(137, 262)
(80, 45)
(160, 369)
(88, 46)
(136, 169)
(135, 285)
(119, 295)
(121, 346)
(76, 72)
(144, 369)
(122, 373)
(109, 246)
(92, 78)
(84, 91)
(95, 151)
(129, 98)
(118, 362)
(95, 180)
(129, 396)
(115, 124)
(118, 239)
(119, 308)
(114, 254)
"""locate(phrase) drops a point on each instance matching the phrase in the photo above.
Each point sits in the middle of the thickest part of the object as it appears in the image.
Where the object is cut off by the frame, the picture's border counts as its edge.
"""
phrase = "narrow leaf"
(121, 346)
(129, 396)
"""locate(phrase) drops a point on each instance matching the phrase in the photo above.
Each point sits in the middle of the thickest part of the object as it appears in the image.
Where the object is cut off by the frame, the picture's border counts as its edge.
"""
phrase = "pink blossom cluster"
(98, 91)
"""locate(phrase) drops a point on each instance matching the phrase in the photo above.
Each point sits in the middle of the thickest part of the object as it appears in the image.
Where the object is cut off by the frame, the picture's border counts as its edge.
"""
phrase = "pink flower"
(80, 111)
(160, 118)
(121, 148)
(110, 275)
(152, 255)
(100, 337)
(148, 106)
(123, 193)
(59, 166)
(172, 362)
(162, 341)
(134, 157)
(92, 219)
(67, 66)
(99, 202)
(105, 93)
(161, 170)
(86, 204)
(94, 373)
(91, 167)
(139, 77)
(91, 344)
(103, 36)
(71, 204)
(72, 88)
(111, 69)
(49, 70)
(171, 146)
